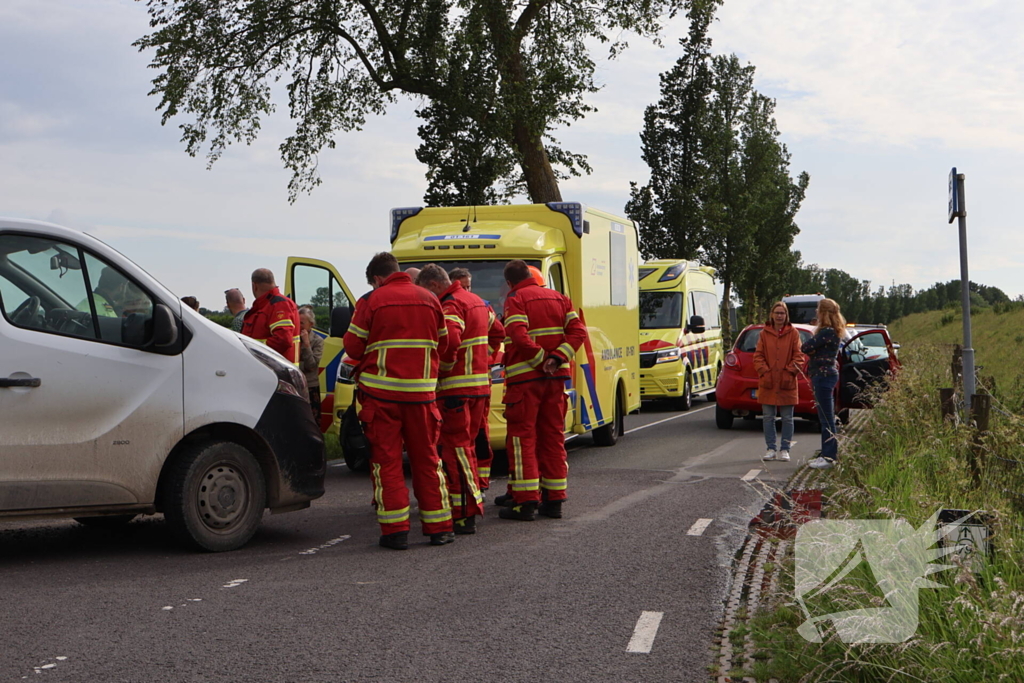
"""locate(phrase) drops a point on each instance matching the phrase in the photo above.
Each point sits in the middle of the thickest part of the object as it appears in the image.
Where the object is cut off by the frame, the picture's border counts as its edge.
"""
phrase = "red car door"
(865, 360)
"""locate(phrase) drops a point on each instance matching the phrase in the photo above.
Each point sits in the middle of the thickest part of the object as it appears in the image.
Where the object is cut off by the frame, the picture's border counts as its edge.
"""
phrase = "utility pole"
(958, 209)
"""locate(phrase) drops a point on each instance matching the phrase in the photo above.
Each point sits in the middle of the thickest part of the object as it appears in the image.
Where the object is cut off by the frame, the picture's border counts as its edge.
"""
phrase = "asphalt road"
(627, 587)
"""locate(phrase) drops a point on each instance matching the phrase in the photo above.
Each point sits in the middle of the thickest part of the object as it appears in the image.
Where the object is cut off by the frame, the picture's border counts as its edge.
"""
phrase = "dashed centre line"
(234, 583)
(699, 526)
(751, 475)
(324, 546)
(645, 632)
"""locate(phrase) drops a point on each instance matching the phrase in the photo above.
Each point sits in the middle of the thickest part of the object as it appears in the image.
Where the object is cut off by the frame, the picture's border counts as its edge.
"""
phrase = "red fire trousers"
(484, 454)
(388, 425)
(535, 416)
(460, 418)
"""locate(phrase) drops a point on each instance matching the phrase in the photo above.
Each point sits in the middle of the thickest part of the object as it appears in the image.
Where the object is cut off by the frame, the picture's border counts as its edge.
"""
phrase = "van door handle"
(26, 382)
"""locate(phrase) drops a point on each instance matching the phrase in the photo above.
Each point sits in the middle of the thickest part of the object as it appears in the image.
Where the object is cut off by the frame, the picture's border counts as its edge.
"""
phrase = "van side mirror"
(696, 324)
(341, 316)
(165, 327)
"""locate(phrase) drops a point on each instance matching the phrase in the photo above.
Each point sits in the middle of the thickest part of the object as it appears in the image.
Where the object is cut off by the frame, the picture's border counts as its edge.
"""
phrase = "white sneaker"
(769, 455)
(820, 463)
(783, 455)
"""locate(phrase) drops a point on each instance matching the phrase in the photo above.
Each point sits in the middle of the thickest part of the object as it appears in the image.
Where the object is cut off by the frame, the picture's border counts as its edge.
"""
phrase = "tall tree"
(343, 60)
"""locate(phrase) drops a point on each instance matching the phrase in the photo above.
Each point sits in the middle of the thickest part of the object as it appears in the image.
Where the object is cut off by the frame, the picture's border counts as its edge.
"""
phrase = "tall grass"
(908, 464)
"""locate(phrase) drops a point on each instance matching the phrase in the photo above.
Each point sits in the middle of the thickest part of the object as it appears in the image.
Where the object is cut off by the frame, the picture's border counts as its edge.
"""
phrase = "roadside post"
(958, 209)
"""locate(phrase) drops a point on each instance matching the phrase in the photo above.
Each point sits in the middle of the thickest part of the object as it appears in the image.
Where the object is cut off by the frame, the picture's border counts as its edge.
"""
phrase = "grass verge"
(907, 464)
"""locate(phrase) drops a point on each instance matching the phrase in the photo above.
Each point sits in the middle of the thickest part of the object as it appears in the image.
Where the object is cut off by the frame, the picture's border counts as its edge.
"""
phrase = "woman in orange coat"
(777, 360)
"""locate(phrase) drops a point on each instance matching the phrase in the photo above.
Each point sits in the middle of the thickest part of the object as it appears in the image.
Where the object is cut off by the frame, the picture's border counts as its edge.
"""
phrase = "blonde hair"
(770, 322)
(829, 316)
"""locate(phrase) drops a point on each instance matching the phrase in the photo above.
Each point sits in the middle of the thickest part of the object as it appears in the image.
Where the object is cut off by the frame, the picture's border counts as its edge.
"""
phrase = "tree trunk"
(726, 322)
(540, 177)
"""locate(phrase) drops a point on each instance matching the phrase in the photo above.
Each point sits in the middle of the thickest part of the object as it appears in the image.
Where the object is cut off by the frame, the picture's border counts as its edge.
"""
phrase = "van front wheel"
(215, 496)
(685, 402)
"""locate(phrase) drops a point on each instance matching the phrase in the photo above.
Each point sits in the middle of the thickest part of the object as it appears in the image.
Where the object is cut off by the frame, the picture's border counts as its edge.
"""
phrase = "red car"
(864, 359)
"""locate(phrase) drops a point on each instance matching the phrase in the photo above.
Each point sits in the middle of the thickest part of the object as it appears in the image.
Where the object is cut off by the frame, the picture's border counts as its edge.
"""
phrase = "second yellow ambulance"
(680, 331)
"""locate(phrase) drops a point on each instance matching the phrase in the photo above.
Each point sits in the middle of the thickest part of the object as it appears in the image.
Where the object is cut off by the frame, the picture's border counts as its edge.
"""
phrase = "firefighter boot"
(524, 512)
(396, 541)
(550, 508)
(466, 525)
(504, 500)
(442, 538)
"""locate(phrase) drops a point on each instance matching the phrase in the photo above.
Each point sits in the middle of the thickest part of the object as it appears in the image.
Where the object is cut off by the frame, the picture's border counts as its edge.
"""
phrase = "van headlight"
(667, 355)
(346, 373)
(289, 380)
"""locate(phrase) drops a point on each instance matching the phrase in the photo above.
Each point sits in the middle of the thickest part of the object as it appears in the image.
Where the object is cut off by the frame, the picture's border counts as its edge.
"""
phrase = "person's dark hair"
(516, 271)
(382, 264)
(191, 302)
(459, 273)
(432, 273)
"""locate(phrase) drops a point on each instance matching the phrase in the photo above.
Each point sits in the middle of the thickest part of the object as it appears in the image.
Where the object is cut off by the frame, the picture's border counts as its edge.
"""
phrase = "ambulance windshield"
(488, 278)
(661, 310)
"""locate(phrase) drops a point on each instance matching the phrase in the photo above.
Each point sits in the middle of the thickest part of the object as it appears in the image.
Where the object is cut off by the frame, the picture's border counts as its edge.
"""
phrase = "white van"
(116, 400)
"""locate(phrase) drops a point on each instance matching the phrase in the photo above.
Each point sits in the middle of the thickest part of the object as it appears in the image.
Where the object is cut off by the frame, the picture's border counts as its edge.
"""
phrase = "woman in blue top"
(823, 348)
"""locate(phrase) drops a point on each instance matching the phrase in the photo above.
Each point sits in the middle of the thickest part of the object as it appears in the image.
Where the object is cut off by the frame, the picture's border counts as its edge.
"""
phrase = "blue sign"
(954, 197)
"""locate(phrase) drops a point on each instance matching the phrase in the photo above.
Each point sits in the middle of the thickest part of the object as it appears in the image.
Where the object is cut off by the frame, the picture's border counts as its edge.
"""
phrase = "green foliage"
(224, 319)
(720, 188)
(345, 60)
(907, 464)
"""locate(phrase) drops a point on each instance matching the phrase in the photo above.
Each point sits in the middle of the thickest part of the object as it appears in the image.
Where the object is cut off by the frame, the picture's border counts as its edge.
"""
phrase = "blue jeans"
(824, 386)
(769, 426)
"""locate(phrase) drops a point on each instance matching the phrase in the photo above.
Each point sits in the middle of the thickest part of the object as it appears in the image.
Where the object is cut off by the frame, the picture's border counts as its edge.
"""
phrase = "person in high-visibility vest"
(543, 333)
(274, 318)
(396, 336)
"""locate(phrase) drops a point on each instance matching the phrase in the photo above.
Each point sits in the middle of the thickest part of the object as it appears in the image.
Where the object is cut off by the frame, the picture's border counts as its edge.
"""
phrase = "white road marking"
(234, 583)
(645, 632)
(168, 608)
(751, 475)
(699, 526)
(61, 659)
(333, 541)
(674, 417)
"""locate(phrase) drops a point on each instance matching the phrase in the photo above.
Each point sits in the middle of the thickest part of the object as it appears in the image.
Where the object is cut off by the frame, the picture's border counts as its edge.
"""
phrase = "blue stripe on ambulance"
(588, 373)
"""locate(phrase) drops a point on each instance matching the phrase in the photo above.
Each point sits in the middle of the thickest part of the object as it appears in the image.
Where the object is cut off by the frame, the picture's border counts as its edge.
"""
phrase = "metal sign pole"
(958, 208)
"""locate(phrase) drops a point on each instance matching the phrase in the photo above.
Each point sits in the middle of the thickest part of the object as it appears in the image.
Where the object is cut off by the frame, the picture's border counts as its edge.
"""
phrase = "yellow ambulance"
(588, 255)
(680, 332)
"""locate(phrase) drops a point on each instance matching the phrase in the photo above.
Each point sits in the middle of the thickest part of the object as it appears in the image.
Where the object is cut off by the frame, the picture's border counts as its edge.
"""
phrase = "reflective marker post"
(958, 209)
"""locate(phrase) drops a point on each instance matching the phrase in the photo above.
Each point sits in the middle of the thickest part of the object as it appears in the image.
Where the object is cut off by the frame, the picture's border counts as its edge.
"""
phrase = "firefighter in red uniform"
(274, 318)
(395, 336)
(495, 336)
(464, 383)
(544, 333)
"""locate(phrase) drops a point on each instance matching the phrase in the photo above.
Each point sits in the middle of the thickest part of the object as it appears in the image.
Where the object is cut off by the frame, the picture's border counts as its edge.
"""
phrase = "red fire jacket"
(396, 334)
(540, 324)
(473, 333)
(274, 320)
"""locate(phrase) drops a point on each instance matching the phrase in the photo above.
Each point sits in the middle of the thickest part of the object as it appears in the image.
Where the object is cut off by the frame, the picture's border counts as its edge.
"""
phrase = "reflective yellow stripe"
(517, 319)
(517, 369)
(396, 384)
(524, 484)
(469, 359)
(392, 516)
(378, 487)
(467, 471)
(382, 362)
(442, 482)
(402, 344)
(472, 342)
(445, 367)
(541, 331)
(457, 320)
(517, 458)
(537, 360)
(566, 349)
(462, 381)
(297, 346)
(571, 315)
(507, 340)
(485, 471)
(442, 515)
(282, 323)
(358, 331)
(261, 341)
(553, 484)
(443, 332)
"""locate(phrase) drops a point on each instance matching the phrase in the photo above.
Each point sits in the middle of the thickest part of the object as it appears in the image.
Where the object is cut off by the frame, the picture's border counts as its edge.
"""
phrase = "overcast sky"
(876, 100)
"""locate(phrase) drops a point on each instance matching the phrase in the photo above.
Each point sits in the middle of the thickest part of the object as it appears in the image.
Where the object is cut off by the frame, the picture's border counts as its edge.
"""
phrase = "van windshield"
(488, 278)
(661, 310)
(803, 312)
